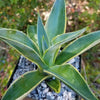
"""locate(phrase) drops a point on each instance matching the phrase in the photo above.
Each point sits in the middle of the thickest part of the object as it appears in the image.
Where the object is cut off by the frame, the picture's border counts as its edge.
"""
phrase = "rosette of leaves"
(42, 47)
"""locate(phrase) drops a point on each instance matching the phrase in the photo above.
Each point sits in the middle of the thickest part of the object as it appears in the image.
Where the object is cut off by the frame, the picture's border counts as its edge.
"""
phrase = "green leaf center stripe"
(72, 78)
(19, 36)
(29, 53)
(22, 86)
(78, 47)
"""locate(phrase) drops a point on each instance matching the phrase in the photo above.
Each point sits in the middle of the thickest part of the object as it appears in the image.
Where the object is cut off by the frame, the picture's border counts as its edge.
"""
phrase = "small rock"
(53, 78)
(49, 96)
(62, 90)
(65, 92)
(73, 98)
(43, 85)
(43, 95)
(46, 90)
(63, 85)
(69, 94)
(77, 65)
(35, 96)
(39, 91)
(72, 61)
(52, 97)
(59, 98)
(33, 92)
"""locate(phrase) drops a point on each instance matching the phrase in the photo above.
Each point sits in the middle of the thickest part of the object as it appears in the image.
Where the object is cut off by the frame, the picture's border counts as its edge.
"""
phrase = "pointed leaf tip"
(41, 33)
(54, 84)
(56, 22)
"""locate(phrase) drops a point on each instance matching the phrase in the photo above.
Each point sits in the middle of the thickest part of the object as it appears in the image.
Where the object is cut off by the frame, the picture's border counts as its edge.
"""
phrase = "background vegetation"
(18, 14)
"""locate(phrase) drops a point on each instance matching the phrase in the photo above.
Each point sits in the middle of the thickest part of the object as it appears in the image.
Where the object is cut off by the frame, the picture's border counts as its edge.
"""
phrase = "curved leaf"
(56, 22)
(17, 36)
(54, 84)
(78, 47)
(63, 38)
(41, 34)
(29, 53)
(32, 32)
(51, 53)
(71, 77)
(24, 85)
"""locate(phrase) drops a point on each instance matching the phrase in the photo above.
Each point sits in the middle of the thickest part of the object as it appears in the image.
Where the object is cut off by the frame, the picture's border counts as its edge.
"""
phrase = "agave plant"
(42, 47)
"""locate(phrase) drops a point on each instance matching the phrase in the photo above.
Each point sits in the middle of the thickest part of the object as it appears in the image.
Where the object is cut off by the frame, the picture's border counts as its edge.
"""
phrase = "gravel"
(43, 92)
